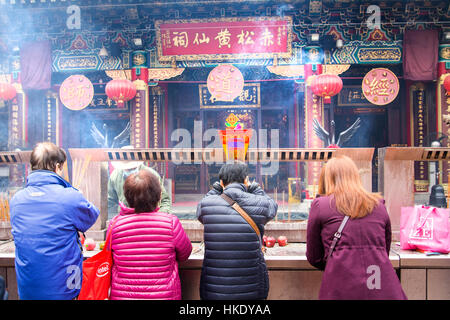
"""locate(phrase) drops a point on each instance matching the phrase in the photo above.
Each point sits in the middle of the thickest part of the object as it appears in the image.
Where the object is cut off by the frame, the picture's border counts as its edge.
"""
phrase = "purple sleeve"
(183, 246)
(314, 245)
(388, 231)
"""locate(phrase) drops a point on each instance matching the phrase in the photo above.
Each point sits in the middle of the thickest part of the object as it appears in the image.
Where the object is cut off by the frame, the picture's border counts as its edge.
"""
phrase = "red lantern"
(120, 90)
(326, 86)
(447, 83)
(7, 91)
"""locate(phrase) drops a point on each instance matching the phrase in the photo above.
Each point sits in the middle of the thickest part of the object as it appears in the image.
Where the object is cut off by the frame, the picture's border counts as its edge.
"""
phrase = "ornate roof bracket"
(297, 71)
(154, 74)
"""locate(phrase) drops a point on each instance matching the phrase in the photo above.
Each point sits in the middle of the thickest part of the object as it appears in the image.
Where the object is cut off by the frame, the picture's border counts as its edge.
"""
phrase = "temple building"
(307, 79)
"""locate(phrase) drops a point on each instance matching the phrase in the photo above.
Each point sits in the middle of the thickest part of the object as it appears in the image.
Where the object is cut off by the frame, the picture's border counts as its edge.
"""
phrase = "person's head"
(142, 191)
(340, 178)
(47, 156)
(233, 172)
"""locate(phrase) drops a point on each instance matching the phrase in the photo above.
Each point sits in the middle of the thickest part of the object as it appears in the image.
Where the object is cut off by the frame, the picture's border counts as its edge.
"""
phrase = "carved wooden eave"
(154, 74)
(292, 71)
(164, 73)
(336, 69)
(288, 71)
(119, 74)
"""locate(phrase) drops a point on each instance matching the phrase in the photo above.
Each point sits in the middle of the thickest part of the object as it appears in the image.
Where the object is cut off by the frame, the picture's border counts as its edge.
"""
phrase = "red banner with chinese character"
(444, 107)
(227, 38)
(139, 109)
(313, 110)
(418, 133)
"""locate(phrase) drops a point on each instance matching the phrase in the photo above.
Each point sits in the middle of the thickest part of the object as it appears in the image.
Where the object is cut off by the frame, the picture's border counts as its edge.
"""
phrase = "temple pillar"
(17, 124)
(419, 127)
(443, 105)
(313, 109)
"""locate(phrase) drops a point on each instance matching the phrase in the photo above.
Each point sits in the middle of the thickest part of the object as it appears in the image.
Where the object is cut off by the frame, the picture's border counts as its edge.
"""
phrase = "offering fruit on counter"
(282, 241)
(101, 245)
(89, 244)
(270, 242)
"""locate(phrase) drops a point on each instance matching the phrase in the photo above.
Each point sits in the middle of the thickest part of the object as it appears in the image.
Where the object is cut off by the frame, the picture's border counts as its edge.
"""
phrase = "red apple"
(282, 241)
(264, 240)
(270, 242)
(89, 244)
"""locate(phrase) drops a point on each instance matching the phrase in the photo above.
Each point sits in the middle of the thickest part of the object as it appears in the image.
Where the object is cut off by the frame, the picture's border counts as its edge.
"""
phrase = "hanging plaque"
(76, 92)
(380, 86)
(225, 83)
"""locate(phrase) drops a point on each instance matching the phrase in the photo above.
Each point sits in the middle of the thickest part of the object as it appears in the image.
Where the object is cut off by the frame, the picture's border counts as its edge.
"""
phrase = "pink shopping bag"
(425, 228)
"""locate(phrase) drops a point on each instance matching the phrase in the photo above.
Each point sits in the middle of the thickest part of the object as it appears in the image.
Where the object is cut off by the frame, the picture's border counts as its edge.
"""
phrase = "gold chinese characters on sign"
(380, 86)
(76, 92)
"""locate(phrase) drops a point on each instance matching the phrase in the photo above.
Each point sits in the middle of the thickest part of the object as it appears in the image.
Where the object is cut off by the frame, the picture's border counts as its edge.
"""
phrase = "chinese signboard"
(313, 110)
(140, 116)
(18, 120)
(226, 38)
(225, 83)
(53, 116)
(248, 98)
(76, 92)
(352, 96)
(419, 128)
(101, 101)
(380, 86)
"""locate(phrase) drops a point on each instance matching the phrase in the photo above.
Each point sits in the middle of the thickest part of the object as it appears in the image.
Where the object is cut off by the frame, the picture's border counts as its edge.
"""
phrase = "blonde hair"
(340, 179)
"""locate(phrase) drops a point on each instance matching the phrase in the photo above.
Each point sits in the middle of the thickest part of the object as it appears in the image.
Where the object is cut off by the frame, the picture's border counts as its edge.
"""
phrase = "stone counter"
(424, 277)
(291, 275)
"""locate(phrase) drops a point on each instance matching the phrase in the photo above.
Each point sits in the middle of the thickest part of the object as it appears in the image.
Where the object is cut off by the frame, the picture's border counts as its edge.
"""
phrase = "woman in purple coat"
(359, 267)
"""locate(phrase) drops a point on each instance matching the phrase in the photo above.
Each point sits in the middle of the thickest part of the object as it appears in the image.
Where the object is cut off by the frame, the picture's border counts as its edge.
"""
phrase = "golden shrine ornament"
(225, 83)
(380, 86)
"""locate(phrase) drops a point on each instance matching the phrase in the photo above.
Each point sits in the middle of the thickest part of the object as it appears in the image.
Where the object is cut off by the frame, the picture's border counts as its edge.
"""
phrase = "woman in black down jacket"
(234, 266)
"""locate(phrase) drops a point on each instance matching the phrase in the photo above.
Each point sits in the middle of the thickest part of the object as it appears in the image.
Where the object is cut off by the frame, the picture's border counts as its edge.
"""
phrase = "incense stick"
(81, 171)
(2, 215)
(66, 171)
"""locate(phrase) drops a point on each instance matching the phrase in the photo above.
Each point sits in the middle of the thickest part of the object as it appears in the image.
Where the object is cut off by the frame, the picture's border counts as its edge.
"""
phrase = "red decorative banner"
(227, 38)
(139, 136)
(313, 110)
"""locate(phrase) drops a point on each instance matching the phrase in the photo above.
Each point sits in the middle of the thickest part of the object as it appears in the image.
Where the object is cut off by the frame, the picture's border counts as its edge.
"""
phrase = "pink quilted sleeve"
(183, 246)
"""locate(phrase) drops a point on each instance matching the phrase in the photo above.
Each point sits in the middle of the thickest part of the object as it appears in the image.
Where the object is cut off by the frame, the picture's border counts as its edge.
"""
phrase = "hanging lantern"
(7, 91)
(326, 86)
(447, 83)
(121, 91)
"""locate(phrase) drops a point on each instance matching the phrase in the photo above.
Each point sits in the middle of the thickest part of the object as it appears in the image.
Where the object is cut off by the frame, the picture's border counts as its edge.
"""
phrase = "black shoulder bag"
(337, 236)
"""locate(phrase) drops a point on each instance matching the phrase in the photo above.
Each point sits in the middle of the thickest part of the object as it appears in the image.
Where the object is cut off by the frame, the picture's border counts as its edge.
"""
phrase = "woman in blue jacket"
(46, 216)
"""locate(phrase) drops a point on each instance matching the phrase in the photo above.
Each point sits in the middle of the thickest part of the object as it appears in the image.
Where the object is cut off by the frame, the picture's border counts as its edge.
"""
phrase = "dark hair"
(46, 155)
(142, 191)
(233, 172)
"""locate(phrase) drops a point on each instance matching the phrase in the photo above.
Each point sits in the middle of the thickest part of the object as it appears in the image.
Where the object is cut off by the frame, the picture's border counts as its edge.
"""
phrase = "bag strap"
(337, 236)
(109, 235)
(244, 215)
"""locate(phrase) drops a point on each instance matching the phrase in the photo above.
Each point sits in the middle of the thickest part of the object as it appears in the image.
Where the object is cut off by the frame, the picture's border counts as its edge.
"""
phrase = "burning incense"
(65, 171)
(4, 208)
(80, 170)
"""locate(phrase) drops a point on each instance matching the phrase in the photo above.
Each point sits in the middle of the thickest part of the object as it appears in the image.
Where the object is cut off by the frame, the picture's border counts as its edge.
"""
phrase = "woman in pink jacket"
(146, 244)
